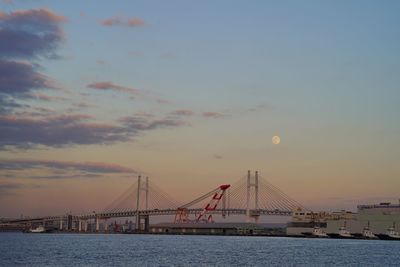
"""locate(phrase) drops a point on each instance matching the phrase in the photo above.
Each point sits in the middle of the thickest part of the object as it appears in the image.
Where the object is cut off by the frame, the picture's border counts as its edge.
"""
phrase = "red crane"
(182, 214)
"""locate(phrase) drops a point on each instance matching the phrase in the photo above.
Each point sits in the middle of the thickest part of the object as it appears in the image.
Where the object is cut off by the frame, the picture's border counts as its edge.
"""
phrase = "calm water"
(168, 250)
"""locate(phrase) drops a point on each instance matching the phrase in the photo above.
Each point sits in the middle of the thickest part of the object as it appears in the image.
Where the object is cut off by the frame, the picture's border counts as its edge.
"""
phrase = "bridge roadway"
(153, 212)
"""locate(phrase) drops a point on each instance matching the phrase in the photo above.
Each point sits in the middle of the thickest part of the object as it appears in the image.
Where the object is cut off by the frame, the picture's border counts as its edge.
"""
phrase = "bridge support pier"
(146, 224)
(105, 225)
(69, 222)
(97, 223)
(61, 224)
(143, 223)
(80, 225)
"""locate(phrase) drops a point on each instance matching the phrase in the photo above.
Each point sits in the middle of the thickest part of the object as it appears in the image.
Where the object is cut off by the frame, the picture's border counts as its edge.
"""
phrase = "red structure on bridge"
(182, 213)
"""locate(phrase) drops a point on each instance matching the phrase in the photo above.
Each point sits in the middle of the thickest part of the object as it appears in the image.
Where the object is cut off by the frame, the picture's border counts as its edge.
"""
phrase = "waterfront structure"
(216, 229)
(378, 218)
(368, 222)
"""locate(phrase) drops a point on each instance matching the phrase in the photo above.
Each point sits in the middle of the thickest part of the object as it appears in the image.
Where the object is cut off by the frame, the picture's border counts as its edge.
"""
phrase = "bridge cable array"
(248, 193)
(151, 197)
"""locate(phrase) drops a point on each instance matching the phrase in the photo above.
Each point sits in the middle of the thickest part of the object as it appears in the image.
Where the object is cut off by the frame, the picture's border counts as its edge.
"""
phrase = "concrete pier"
(105, 225)
(97, 224)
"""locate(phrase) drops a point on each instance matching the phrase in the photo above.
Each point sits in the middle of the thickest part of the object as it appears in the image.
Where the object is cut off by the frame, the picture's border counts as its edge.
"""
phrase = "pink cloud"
(107, 85)
(111, 21)
(47, 98)
(121, 21)
(134, 22)
(183, 112)
(209, 114)
(43, 15)
(163, 101)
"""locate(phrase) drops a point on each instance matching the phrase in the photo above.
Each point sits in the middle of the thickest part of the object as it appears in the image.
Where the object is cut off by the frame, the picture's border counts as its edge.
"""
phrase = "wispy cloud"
(260, 107)
(83, 105)
(107, 85)
(26, 132)
(210, 114)
(90, 167)
(122, 21)
(183, 112)
(142, 124)
(163, 101)
(47, 98)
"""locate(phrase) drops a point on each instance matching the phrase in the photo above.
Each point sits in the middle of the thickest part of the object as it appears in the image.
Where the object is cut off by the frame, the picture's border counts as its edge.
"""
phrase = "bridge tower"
(252, 211)
(139, 217)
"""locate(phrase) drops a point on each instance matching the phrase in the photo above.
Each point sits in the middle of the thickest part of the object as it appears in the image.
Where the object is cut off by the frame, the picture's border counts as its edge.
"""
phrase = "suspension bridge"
(251, 196)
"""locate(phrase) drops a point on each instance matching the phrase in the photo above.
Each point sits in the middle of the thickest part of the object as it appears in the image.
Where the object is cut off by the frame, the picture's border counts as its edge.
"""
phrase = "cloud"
(83, 105)
(26, 35)
(26, 132)
(144, 114)
(183, 112)
(89, 167)
(30, 33)
(7, 104)
(135, 22)
(21, 77)
(260, 107)
(47, 98)
(163, 101)
(19, 80)
(121, 21)
(218, 156)
(142, 124)
(212, 114)
(112, 86)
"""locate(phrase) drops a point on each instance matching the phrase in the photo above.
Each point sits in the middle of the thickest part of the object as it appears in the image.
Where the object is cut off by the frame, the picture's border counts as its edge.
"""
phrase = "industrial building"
(378, 218)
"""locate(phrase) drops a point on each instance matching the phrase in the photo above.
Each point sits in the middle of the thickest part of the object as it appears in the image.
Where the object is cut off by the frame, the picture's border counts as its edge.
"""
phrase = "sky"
(190, 93)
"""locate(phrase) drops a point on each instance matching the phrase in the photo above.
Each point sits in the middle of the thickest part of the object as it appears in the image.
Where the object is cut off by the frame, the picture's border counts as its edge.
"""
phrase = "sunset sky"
(190, 93)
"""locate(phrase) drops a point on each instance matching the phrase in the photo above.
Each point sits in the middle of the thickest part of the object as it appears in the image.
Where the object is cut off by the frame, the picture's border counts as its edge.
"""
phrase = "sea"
(19, 249)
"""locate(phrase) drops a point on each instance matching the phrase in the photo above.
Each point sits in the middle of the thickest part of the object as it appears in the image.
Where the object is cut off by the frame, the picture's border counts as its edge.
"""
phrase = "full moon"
(276, 140)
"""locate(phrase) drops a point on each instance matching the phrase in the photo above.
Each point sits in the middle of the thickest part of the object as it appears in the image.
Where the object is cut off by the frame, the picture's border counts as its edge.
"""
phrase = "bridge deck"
(153, 212)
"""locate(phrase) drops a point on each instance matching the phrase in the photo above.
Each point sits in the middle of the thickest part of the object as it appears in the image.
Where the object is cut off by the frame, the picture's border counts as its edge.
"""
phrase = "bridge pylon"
(252, 211)
(144, 188)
